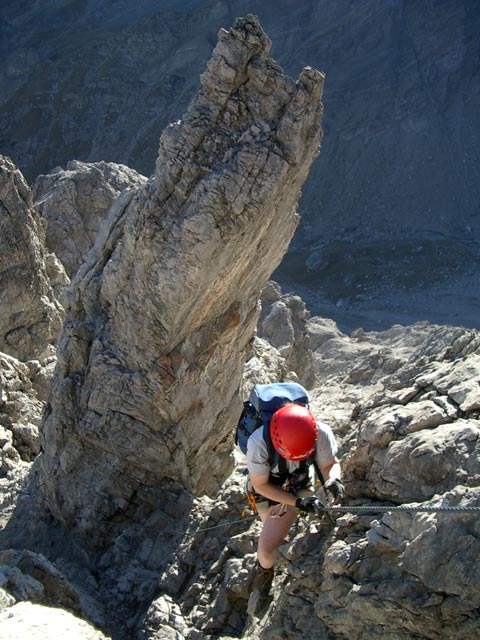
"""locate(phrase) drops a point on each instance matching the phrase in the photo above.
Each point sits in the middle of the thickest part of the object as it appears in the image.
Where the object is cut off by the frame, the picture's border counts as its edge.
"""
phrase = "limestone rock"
(205, 583)
(37, 622)
(399, 575)
(165, 621)
(74, 203)
(283, 323)
(185, 569)
(20, 414)
(160, 315)
(351, 369)
(264, 365)
(30, 314)
(406, 575)
(30, 576)
(280, 350)
(420, 433)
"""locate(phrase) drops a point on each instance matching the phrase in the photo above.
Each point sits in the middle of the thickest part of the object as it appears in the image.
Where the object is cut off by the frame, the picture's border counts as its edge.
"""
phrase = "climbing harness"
(252, 501)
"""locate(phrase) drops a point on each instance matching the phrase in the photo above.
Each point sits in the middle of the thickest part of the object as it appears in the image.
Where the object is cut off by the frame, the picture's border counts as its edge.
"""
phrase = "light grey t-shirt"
(257, 451)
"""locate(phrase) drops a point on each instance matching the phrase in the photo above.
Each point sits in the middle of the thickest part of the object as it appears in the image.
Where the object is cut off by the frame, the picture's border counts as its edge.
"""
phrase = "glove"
(336, 488)
(307, 504)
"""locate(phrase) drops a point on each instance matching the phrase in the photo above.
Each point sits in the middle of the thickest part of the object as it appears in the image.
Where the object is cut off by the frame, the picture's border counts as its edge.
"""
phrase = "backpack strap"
(322, 482)
(282, 467)
(313, 461)
(274, 458)
(273, 455)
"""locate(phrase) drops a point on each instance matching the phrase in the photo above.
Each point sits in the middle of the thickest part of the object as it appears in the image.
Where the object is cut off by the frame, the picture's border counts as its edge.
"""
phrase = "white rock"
(36, 622)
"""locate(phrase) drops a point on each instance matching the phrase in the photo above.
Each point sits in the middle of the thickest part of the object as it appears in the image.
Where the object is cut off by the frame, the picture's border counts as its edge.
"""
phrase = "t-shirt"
(257, 452)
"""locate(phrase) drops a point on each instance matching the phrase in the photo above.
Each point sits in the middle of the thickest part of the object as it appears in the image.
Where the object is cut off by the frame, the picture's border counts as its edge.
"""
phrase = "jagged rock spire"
(160, 316)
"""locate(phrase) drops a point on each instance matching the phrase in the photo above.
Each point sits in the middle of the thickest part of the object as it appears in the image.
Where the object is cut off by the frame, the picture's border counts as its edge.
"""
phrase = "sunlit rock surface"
(160, 316)
(74, 202)
(30, 313)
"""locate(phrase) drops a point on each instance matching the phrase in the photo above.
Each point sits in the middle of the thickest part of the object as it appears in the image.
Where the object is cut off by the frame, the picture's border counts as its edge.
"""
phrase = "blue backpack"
(258, 410)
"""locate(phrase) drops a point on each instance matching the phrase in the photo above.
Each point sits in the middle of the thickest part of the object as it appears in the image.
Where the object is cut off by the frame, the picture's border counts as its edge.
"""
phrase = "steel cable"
(403, 507)
(346, 509)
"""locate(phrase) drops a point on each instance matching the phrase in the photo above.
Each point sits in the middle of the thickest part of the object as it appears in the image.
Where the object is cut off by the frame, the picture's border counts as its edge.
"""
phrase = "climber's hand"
(307, 504)
(336, 488)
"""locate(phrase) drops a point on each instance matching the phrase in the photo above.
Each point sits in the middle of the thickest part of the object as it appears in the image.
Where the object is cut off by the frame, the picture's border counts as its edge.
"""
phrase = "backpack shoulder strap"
(282, 466)
(318, 471)
(274, 458)
(273, 455)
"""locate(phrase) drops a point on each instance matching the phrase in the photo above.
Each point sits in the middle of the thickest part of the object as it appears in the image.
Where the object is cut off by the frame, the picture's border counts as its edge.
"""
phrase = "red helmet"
(293, 431)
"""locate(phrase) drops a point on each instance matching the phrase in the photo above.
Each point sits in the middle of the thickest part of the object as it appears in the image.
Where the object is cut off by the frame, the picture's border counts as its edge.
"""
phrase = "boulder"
(404, 576)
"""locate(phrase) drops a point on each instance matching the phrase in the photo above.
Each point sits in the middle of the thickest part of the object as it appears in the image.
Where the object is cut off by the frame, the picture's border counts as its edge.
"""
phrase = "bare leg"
(272, 535)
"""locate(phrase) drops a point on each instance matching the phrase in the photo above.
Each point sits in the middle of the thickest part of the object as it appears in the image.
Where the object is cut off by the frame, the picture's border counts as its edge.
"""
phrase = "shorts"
(276, 509)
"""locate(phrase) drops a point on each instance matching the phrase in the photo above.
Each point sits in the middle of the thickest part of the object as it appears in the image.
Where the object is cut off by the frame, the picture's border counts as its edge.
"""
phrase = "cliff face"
(160, 316)
(390, 223)
(74, 202)
(30, 315)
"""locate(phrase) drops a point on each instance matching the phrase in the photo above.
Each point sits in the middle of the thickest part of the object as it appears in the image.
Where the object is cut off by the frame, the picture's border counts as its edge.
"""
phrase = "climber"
(284, 491)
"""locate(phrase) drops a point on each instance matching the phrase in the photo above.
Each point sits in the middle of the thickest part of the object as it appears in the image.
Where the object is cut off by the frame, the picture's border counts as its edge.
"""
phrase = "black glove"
(307, 504)
(336, 488)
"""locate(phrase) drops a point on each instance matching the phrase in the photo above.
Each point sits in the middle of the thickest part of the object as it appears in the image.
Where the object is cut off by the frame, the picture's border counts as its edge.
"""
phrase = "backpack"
(258, 410)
